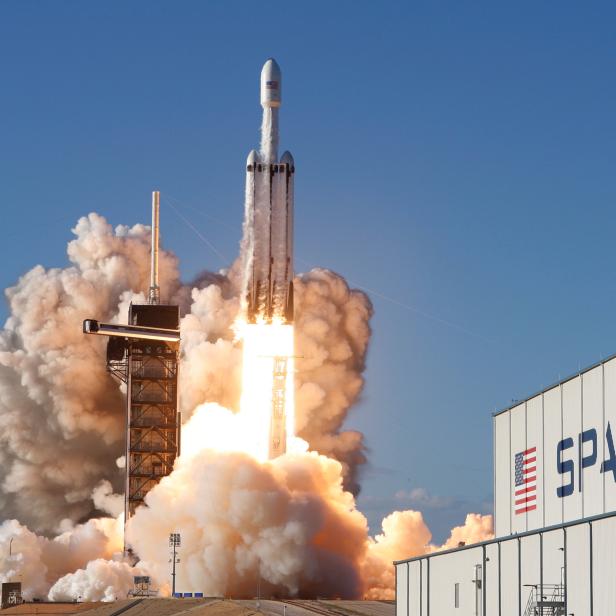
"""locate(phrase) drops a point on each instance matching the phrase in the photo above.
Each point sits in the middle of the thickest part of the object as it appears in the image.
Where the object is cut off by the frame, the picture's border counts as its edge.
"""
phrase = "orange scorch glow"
(248, 431)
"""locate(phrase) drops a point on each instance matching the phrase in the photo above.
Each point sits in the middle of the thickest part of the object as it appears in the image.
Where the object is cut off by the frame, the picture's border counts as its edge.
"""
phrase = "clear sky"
(455, 158)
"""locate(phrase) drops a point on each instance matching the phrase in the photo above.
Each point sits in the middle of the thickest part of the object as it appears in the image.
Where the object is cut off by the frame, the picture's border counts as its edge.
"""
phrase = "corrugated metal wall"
(604, 568)
(493, 578)
(402, 589)
(509, 579)
(573, 428)
(415, 587)
(580, 557)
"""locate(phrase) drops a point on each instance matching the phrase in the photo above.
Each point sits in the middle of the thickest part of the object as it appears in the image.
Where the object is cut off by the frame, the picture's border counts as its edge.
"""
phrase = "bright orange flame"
(214, 427)
(263, 342)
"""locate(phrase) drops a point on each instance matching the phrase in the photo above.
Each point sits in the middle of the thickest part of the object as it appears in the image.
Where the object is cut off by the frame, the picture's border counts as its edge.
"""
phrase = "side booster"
(269, 211)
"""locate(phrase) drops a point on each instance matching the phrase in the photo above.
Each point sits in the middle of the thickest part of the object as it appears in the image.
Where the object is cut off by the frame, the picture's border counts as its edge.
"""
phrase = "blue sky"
(457, 159)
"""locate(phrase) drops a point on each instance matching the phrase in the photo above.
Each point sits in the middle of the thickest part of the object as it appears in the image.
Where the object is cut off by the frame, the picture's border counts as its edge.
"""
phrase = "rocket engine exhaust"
(269, 206)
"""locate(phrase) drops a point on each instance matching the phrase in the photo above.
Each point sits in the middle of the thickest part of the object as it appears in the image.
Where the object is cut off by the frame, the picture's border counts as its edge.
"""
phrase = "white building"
(555, 515)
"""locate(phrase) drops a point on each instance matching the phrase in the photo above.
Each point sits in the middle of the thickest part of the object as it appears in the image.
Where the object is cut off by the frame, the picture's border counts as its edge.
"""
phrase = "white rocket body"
(269, 201)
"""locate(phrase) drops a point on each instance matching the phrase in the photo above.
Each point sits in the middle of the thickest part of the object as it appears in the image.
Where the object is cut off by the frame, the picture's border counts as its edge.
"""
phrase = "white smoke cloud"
(211, 361)
(239, 519)
(38, 562)
(100, 580)
(288, 521)
(61, 414)
(476, 528)
(291, 521)
(405, 535)
(106, 501)
(332, 334)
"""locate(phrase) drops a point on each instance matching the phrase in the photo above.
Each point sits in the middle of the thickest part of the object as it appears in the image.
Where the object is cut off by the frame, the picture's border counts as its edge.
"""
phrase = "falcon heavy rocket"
(269, 209)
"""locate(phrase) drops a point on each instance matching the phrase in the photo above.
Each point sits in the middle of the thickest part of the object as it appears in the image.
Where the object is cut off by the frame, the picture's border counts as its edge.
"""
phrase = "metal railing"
(550, 602)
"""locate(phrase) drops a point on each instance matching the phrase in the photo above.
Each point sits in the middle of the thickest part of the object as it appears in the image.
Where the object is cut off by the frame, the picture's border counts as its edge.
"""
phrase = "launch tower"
(144, 356)
(153, 426)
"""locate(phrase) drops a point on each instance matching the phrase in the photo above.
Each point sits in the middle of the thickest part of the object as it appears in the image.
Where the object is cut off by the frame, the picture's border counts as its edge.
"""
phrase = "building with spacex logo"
(554, 551)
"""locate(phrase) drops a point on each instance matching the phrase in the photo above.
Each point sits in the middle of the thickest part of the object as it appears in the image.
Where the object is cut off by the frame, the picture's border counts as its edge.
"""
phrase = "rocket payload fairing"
(269, 205)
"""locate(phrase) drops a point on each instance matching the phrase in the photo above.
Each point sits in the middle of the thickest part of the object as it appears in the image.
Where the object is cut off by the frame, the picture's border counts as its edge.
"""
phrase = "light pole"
(174, 542)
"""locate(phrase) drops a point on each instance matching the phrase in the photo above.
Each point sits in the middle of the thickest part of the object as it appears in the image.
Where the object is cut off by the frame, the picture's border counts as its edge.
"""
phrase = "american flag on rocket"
(525, 496)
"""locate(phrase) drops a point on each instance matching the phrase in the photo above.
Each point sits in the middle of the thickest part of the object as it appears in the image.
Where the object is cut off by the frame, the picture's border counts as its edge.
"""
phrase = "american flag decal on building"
(525, 495)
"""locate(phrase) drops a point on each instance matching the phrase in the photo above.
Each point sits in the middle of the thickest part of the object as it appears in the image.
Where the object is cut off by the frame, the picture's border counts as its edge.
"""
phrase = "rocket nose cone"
(287, 159)
(271, 84)
(270, 69)
(253, 157)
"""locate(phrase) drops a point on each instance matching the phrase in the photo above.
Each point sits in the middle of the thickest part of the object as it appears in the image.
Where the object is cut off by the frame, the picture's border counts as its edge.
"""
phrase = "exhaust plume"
(287, 523)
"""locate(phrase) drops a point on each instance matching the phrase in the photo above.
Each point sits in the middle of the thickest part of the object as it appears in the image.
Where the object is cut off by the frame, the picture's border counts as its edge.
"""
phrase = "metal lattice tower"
(153, 428)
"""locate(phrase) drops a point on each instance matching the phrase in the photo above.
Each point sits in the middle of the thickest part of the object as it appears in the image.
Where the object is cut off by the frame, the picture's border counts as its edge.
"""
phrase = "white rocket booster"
(269, 202)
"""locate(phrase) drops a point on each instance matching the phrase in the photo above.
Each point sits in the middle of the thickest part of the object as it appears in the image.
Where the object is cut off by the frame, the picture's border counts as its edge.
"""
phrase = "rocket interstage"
(269, 206)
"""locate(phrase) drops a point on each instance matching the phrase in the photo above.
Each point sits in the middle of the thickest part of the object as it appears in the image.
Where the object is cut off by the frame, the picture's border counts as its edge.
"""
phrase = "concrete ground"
(206, 607)
(57, 609)
(299, 607)
(360, 608)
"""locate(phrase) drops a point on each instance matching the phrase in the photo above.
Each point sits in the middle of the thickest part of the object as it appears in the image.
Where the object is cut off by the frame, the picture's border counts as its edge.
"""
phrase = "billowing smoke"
(211, 361)
(291, 522)
(332, 334)
(287, 521)
(38, 562)
(100, 580)
(405, 534)
(61, 414)
(287, 524)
